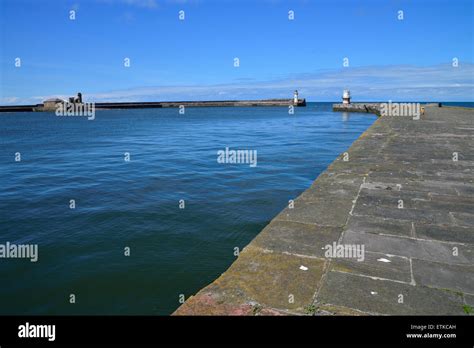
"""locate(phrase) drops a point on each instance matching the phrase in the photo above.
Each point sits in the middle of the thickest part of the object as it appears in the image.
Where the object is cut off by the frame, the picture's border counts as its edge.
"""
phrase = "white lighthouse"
(295, 98)
(346, 97)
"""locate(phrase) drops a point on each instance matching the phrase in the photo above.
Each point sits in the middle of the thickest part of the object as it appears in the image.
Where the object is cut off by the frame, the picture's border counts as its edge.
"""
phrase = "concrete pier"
(405, 192)
(19, 108)
(191, 104)
(171, 104)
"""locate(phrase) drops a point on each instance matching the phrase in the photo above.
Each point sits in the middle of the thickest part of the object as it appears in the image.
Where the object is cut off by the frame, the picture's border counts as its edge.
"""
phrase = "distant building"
(50, 104)
(346, 97)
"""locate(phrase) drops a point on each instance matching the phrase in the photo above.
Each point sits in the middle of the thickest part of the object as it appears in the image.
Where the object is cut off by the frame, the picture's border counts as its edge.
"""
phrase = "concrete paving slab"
(450, 253)
(446, 233)
(387, 297)
(444, 276)
(297, 238)
(380, 225)
(327, 211)
(376, 265)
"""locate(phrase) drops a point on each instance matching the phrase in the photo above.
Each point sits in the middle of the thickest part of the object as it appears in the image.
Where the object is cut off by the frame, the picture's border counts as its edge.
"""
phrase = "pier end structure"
(346, 97)
(371, 108)
(347, 106)
(418, 258)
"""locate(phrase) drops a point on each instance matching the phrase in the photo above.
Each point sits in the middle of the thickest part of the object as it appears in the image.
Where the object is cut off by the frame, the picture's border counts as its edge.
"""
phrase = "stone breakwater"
(171, 104)
(191, 104)
(371, 108)
(405, 191)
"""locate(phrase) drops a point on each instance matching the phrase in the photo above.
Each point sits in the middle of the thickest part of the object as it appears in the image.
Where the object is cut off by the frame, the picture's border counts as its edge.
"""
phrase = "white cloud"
(10, 100)
(366, 83)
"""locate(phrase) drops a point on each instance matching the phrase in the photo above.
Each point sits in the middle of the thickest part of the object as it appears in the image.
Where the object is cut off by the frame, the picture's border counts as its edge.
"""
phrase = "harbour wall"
(171, 104)
(402, 195)
(371, 108)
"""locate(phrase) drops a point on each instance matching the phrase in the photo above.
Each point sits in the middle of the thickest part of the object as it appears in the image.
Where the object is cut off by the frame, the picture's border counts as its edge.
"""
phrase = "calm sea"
(136, 204)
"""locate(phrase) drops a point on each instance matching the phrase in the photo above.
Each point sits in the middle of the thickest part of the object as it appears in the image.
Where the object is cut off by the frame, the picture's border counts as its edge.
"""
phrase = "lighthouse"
(295, 98)
(346, 97)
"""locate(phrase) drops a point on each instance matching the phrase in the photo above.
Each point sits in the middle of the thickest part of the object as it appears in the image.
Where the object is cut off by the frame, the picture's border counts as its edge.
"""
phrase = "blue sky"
(170, 59)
